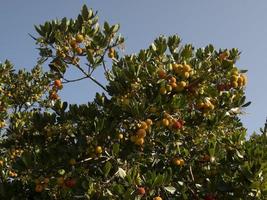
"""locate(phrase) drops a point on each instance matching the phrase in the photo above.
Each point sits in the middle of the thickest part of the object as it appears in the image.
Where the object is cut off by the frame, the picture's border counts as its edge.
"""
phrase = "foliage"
(165, 127)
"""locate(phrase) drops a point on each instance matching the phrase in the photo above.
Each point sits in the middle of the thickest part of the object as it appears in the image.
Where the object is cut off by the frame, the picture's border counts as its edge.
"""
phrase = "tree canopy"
(166, 125)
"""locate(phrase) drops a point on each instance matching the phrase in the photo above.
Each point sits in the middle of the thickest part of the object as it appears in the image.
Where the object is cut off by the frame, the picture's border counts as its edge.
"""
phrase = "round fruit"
(79, 50)
(73, 43)
(139, 141)
(187, 68)
(172, 80)
(120, 136)
(177, 124)
(161, 73)
(234, 84)
(54, 96)
(57, 83)
(111, 53)
(234, 77)
(39, 188)
(1, 162)
(168, 88)
(157, 198)
(70, 182)
(141, 190)
(79, 38)
(149, 122)
(186, 75)
(162, 90)
(98, 150)
(141, 133)
(180, 86)
(165, 122)
(143, 125)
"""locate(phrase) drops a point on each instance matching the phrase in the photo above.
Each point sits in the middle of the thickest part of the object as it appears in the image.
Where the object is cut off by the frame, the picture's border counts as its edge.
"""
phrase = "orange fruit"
(79, 38)
(141, 133)
(141, 190)
(39, 188)
(57, 83)
(98, 150)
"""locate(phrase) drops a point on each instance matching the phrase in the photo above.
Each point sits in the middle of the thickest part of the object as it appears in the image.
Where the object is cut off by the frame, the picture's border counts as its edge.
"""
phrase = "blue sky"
(225, 24)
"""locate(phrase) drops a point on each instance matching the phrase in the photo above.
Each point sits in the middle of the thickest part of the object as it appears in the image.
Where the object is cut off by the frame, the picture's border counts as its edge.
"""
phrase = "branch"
(73, 80)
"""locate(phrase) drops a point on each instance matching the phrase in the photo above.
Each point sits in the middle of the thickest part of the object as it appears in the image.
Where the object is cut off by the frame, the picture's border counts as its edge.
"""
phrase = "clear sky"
(225, 24)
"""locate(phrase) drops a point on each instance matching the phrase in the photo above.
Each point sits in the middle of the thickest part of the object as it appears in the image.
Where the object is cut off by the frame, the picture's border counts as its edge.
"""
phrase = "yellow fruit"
(186, 75)
(73, 43)
(1, 162)
(141, 133)
(162, 90)
(168, 88)
(186, 68)
(157, 198)
(245, 80)
(149, 122)
(111, 53)
(165, 122)
(39, 188)
(120, 136)
(234, 84)
(175, 66)
(234, 78)
(139, 141)
(143, 125)
(79, 38)
(98, 150)
(181, 162)
(180, 86)
(72, 161)
(178, 68)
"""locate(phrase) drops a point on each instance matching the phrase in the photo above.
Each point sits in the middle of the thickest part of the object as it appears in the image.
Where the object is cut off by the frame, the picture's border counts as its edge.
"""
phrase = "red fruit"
(141, 191)
(57, 83)
(70, 182)
(209, 197)
(178, 124)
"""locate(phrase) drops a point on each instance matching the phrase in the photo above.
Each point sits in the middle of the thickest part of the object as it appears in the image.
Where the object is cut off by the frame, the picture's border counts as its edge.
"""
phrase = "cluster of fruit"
(179, 71)
(142, 191)
(171, 122)
(56, 86)
(143, 129)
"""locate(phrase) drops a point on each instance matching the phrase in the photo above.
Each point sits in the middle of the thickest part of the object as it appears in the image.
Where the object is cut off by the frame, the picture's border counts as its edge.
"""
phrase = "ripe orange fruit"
(141, 190)
(1, 162)
(149, 122)
(143, 125)
(172, 80)
(57, 83)
(141, 133)
(186, 75)
(187, 68)
(98, 150)
(139, 141)
(54, 96)
(39, 188)
(79, 50)
(177, 124)
(79, 38)
(165, 122)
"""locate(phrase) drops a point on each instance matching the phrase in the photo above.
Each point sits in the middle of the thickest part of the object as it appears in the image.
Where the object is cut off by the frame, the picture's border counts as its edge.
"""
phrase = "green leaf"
(246, 104)
(115, 149)
(170, 189)
(115, 28)
(85, 13)
(107, 168)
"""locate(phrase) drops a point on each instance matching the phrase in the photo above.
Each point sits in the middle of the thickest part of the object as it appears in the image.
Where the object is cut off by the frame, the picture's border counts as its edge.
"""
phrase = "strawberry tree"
(165, 126)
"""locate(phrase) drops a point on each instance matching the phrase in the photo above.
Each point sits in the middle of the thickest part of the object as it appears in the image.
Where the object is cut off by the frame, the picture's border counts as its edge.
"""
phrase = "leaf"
(85, 12)
(170, 189)
(115, 149)
(121, 172)
(246, 104)
(107, 168)
(115, 28)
